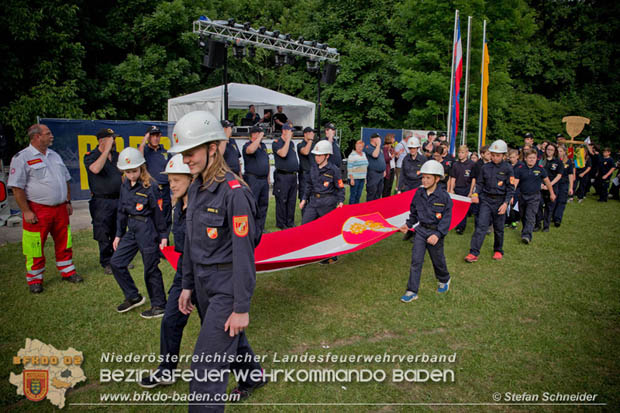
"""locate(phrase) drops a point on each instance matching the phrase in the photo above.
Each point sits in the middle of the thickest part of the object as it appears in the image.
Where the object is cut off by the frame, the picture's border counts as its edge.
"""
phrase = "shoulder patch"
(234, 184)
(240, 225)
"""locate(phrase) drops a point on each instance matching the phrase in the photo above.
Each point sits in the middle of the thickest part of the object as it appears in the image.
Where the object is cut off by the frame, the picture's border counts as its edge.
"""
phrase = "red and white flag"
(458, 74)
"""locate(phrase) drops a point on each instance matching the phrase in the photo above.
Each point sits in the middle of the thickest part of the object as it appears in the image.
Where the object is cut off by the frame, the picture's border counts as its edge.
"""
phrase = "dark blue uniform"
(410, 177)
(232, 155)
(336, 156)
(562, 194)
(433, 214)
(462, 172)
(174, 321)
(530, 180)
(304, 165)
(256, 167)
(494, 186)
(156, 161)
(554, 167)
(374, 176)
(605, 165)
(323, 191)
(447, 166)
(583, 181)
(221, 218)
(105, 188)
(140, 225)
(285, 184)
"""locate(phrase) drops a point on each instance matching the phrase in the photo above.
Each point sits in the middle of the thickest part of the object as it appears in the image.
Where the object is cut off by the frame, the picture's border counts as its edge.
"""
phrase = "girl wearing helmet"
(141, 226)
(413, 161)
(218, 260)
(431, 212)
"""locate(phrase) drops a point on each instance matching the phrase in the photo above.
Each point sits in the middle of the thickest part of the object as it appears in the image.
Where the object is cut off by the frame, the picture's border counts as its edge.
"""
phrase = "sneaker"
(546, 229)
(471, 258)
(246, 391)
(36, 288)
(570, 199)
(443, 287)
(513, 225)
(73, 279)
(409, 297)
(557, 224)
(580, 201)
(155, 379)
(498, 255)
(153, 312)
(107, 270)
(525, 240)
(129, 304)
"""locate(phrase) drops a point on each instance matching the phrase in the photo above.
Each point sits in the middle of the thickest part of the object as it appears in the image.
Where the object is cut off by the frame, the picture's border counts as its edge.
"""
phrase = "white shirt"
(401, 145)
(42, 176)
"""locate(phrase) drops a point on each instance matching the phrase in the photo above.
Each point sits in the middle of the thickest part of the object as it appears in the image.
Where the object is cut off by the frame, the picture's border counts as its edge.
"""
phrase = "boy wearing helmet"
(413, 161)
(140, 226)
(494, 191)
(430, 215)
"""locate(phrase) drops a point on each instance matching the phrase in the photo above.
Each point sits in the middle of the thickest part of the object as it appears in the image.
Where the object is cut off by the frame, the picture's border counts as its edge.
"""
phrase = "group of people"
(277, 120)
(218, 211)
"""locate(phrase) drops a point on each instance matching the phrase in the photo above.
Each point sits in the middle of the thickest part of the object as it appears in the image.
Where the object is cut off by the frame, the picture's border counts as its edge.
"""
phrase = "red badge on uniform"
(160, 203)
(240, 225)
(234, 184)
(212, 233)
(34, 161)
(438, 215)
(326, 184)
(139, 207)
(340, 184)
(500, 183)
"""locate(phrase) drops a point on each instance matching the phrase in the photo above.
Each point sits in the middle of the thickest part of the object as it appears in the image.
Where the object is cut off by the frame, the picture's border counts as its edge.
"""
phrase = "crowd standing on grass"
(216, 212)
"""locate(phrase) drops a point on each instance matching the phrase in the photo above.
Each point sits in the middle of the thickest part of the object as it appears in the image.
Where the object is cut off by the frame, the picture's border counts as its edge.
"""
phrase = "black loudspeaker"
(329, 73)
(215, 56)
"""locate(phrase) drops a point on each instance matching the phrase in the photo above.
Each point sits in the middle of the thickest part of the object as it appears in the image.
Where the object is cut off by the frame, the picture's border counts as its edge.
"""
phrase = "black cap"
(330, 126)
(375, 135)
(227, 124)
(153, 129)
(431, 133)
(559, 135)
(308, 129)
(441, 134)
(528, 135)
(256, 128)
(287, 126)
(105, 132)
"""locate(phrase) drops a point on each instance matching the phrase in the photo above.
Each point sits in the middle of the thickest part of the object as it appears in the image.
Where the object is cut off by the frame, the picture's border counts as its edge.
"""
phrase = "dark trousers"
(300, 183)
(602, 188)
(547, 206)
(355, 191)
(420, 246)
(166, 206)
(388, 182)
(374, 185)
(103, 218)
(260, 188)
(583, 185)
(462, 190)
(528, 206)
(488, 214)
(214, 293)
(145, 241)
(560, 202)
(285, 192)
(317, 207)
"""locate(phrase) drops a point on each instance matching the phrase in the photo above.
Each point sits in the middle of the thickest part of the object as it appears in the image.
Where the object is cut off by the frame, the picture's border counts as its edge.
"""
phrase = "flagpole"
(484, 39)
(456, 16)
(464, 139)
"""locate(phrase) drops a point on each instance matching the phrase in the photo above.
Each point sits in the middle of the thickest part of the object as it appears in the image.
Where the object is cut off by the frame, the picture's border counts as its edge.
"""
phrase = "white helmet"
(176, 166)
(194, 129)
(432, 167)
(129, 158)
(499, 146)
(413, 143)
(323, 148)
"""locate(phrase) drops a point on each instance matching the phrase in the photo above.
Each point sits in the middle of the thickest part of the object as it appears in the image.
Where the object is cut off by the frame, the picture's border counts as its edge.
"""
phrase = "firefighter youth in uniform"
(221, 218)
(494, 190)
(410, 177)
(231, 152)
(40, 183)
(430, 215)
(285, 178)
(140, 227)
(376, 168)
(256, 173)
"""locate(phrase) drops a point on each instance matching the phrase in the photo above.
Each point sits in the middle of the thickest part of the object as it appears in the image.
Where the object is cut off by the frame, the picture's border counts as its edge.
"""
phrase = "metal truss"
(243, 35)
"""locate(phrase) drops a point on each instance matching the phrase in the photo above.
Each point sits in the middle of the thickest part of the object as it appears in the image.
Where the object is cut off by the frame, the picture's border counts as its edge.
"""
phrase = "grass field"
(545, 319)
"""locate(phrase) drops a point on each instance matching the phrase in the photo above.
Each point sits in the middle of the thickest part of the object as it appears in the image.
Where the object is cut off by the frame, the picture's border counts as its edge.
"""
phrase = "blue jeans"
(356, 191)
